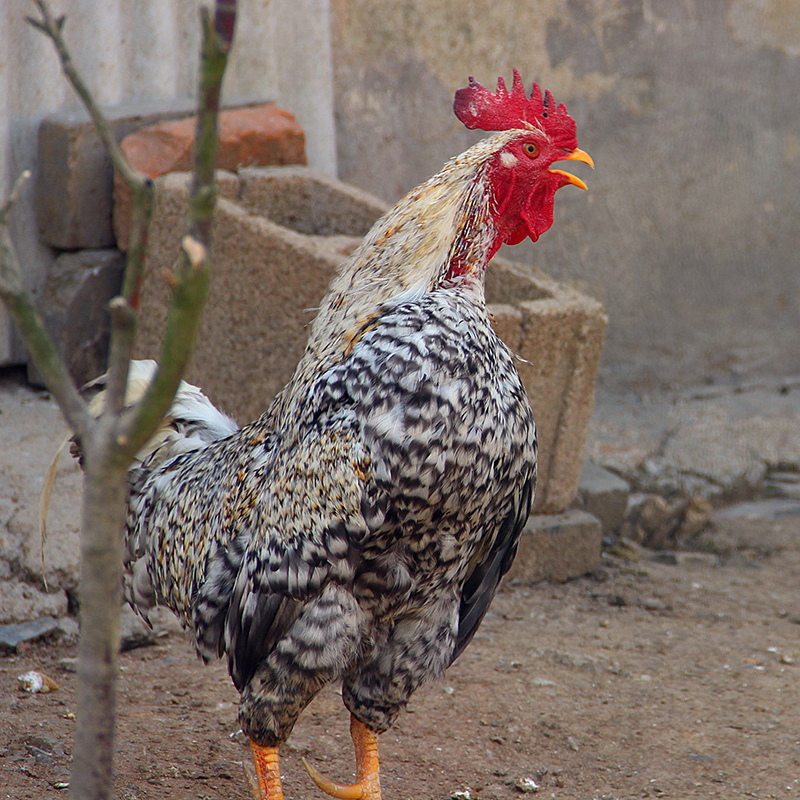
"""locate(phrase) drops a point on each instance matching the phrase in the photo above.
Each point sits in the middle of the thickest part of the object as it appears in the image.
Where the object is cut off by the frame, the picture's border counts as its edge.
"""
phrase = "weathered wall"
(690, 108)
(132, 51)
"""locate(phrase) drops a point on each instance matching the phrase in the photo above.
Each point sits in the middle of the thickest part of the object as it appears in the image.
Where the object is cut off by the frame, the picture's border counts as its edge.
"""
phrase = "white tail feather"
(193, 422)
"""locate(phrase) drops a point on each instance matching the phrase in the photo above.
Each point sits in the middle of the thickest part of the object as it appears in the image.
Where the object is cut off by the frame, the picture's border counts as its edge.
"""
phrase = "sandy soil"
(642, 680)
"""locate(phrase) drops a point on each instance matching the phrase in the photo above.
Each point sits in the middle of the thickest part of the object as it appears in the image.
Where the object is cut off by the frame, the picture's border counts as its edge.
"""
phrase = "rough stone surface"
(248, 137)
(309, 201)
(665, 523)
(74, 305)
(20, 602)
(268, 278)
(11, 636)
(135, 632)
(732, 528)
(557, 547)
(74, 175)
(719, 446)
(31, 430)
(604, 495)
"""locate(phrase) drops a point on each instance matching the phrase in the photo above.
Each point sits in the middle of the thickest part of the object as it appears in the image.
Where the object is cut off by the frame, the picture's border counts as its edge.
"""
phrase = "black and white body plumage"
(358, 530)
(365, 541)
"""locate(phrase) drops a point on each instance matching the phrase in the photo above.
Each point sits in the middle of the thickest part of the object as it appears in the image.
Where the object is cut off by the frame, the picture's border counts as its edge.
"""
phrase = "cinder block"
(74, 306)
(603, 494)
(266, 282)
(262, 135)
(557, 547)
(559, 339)
(308, 201)
(268, 279)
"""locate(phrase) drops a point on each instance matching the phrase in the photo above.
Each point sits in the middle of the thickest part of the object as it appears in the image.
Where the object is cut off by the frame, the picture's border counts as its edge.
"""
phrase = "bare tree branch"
(52, 27)
(123, 327)
(23, 312)
(110, 442)
(192, 270)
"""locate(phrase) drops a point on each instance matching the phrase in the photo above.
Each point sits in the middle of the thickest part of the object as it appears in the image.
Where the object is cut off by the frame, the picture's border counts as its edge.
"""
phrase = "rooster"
(358, 530)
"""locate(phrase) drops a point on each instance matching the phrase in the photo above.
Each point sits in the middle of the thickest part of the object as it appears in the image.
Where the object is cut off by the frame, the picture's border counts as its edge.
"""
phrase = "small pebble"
(526, 785)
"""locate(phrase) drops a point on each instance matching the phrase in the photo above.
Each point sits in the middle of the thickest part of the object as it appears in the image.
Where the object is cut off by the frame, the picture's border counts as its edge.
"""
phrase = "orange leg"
(268, 772)
(368, 786)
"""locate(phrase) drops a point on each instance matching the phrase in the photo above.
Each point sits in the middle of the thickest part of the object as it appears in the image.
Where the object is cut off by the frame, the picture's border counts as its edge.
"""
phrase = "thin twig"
(16, 191)
(52, 27)
(24, 313)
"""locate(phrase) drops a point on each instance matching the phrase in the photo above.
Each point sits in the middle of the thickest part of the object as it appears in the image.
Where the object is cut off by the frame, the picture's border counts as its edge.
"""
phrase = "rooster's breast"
(447, 423)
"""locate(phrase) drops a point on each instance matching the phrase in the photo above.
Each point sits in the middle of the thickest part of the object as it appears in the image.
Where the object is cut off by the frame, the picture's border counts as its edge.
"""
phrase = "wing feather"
(312, 528)
(484, 578)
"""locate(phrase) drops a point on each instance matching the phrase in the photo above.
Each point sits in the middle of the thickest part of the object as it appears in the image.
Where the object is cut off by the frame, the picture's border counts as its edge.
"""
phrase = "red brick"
(257, 136)
(75, 177)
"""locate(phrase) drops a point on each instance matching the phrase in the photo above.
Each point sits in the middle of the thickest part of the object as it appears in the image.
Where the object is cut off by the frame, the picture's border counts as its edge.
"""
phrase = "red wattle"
(518, 235)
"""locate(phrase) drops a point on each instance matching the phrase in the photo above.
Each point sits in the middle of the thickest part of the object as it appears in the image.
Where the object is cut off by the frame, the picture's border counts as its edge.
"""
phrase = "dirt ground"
(641, 680)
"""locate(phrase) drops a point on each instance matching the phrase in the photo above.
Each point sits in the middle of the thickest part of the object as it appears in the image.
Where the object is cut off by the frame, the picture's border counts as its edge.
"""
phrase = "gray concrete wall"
(690, 108)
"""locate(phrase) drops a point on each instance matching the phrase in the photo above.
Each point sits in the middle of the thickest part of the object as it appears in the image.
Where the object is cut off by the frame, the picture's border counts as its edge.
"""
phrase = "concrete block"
(557, 547)
(268, 279)
(309, 201)
(260, 135)
(560, 338)
(74, 306)
(604, 495)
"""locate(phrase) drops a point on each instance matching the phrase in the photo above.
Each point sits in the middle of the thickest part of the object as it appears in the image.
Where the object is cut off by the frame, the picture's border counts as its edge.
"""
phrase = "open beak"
(566, 178)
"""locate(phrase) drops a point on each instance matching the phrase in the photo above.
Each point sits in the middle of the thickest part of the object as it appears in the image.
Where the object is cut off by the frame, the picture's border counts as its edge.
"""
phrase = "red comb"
(478, 108)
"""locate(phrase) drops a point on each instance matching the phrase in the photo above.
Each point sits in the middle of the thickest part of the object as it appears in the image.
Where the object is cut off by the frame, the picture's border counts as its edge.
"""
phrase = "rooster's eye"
(531, 150)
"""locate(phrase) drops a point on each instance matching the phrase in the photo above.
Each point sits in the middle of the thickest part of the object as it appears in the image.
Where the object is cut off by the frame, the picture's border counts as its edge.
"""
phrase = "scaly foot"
(268, 773)
(368, 786)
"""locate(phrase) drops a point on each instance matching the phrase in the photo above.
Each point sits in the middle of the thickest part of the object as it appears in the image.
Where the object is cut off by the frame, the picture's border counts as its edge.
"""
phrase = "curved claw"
(353, 791)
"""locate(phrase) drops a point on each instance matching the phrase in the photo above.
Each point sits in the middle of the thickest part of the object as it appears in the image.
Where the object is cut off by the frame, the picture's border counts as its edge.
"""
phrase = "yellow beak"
(576, 155)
